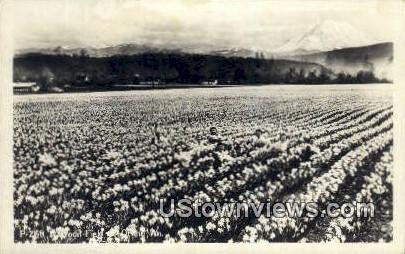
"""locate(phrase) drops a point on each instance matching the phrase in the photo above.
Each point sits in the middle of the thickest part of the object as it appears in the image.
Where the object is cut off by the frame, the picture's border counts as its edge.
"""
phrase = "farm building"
(210, 83)
(25, 87)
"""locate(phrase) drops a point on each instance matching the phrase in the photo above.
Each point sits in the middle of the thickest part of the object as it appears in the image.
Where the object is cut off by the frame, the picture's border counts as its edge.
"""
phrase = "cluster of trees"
(82, 70)
(361, 77)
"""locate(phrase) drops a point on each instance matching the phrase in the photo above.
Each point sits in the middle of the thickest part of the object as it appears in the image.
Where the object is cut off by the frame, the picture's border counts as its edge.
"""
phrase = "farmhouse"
(25, 87)
(210, 83)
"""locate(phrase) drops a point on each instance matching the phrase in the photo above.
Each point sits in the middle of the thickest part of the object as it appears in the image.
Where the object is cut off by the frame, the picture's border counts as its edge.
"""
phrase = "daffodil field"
(93, 167)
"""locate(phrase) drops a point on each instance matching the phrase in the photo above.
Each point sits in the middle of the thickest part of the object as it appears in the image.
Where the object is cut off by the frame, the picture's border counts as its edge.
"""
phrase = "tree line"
(82, 70)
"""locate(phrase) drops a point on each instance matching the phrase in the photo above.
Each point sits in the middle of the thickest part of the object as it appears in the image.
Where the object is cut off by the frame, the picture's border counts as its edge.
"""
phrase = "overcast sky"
(254, 24)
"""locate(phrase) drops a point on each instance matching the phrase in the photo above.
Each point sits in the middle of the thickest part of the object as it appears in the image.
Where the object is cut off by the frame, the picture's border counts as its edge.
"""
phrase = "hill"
(375, 58)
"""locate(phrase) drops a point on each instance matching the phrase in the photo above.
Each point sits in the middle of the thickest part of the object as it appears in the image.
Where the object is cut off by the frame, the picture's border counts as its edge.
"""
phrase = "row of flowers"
(221, 190)
(287, 179)
(320, 190)
(375, 188)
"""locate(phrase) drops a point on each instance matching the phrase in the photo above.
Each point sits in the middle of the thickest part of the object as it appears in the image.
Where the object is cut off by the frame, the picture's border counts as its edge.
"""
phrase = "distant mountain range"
(337, 46)
(137, 49)
(377, 58)
(325, 36)
(122, 49)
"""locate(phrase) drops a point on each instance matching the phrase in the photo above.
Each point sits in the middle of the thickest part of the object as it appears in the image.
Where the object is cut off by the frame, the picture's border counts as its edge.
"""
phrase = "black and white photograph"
(216, 121)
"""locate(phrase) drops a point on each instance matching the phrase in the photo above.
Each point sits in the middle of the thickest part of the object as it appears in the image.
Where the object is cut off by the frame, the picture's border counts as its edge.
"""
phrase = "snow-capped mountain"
(136, 48)
(325, 36)
(122, 49)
